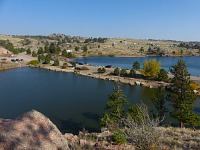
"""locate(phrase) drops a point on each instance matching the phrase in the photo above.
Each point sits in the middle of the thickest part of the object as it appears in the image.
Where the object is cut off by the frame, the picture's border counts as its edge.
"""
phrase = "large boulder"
(31, 131)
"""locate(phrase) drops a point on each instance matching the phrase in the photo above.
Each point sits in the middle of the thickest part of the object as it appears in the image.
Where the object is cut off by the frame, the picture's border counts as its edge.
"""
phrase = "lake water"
(71, 101)
(193, 62)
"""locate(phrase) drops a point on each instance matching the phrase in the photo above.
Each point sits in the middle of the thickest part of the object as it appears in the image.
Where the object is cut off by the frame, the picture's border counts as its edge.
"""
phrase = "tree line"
(137, 125)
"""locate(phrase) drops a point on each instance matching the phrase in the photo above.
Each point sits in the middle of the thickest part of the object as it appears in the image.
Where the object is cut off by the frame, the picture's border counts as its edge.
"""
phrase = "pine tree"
(114, 109)
(56, 62)
(182, 97)
(159, 100)
(162, 75)
(116, 71)
(136, 65)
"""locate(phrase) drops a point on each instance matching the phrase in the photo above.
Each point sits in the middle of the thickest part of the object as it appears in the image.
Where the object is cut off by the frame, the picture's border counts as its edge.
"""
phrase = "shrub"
(162, 75)
(73, 64)
(28, 51)
(193, 86)
(123, 73)
(118, 137)
(101, 70)
(56, 62)
(34, 54)
(116, 71)
(85, 68)
(33, 62)
(132, 73)
(140, 129)
(136, 65)
(64, 66)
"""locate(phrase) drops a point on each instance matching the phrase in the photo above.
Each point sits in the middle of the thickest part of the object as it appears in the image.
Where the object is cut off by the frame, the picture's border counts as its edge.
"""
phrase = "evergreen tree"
(47, 59)
(101, 70)
(40, 51)
(150, 50)
(41, 58)
(142, 49)
(182, 97)
(116, 71)
(52, 48)
(136, 65)
(56, 62)
(123, 73)
(64, 53)
(46, 49)
(162, 75)
(114, 109)
(132, 73)
(34, 54)
(159, 100)
(77, 48)
(28, 51)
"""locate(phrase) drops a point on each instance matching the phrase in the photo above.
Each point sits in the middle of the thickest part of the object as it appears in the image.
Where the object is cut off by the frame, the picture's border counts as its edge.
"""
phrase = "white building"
(68, 51)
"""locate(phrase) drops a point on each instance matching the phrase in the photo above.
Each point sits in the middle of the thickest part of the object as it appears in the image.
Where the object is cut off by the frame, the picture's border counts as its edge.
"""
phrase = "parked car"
(108, 66)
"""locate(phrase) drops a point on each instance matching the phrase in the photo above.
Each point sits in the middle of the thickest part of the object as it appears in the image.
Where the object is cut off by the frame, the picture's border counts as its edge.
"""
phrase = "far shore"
(92, 72)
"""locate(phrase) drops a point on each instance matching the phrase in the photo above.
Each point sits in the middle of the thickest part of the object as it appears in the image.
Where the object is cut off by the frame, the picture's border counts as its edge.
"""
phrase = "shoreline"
(134, 56)
(92, 73)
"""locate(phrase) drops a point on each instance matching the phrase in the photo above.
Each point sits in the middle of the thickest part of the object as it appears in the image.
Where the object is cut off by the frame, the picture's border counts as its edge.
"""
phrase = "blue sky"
(142, 19)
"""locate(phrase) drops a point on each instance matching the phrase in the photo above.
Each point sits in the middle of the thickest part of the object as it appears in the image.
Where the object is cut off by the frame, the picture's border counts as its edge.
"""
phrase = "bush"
(85, 68)
(28, 51)
(56, 62)
(123, 73)
(132, 73)
(77, 48)
(101, 70)
(64, 66)
(162, 75)
(136, 65)
(34, 54)
(193, 86)
(47, 59)
(116, 71)
(140, 129)
(118, 137)
(34, 62)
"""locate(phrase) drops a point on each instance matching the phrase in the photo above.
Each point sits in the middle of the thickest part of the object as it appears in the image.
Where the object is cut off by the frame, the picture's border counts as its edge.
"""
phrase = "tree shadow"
(71, 126)
(91, 115)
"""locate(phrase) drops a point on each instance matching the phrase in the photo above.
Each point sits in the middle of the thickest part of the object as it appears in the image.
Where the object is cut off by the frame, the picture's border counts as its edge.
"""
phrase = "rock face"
(31, 131)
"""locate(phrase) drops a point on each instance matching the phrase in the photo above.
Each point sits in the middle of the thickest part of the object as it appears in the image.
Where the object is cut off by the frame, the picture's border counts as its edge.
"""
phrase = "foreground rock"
(31, 131)
(35, 131)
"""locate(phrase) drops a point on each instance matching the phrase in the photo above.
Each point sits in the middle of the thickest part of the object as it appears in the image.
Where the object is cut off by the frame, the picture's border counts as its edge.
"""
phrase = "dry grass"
(177, 138)
(121, 47)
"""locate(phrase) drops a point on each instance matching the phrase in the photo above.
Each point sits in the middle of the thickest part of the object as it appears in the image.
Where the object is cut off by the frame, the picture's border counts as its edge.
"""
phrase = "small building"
(68, 51)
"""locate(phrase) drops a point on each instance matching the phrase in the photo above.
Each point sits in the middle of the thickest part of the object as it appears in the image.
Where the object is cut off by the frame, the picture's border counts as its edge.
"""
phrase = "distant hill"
(83, 46)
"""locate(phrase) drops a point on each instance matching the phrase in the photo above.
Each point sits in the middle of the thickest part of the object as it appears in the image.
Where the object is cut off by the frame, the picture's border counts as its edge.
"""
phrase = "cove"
(192, 62)
(72, 102)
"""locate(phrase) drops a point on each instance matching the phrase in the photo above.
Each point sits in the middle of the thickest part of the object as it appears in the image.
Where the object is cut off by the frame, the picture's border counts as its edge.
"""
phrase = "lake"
(192, 62)
(72, 102)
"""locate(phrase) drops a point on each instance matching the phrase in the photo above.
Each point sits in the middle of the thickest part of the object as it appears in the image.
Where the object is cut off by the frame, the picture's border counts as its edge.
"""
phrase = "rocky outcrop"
(36, 132)
(31, 131)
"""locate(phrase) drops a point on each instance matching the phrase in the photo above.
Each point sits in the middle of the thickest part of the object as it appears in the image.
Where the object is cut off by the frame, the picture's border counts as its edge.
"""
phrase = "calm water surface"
(193, 62)
(70, 101)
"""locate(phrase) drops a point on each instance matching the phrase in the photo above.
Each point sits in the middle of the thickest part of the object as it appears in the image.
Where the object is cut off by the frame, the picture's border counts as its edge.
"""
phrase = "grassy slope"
(123, 47)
